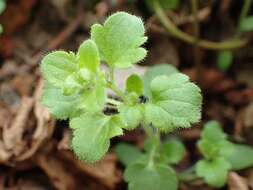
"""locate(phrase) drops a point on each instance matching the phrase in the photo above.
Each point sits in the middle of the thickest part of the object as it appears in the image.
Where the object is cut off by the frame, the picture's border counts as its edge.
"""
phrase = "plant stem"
(244, 13)
(197, 61)
(154, 135)
(113, 102)
(176, 32)
(111, 84)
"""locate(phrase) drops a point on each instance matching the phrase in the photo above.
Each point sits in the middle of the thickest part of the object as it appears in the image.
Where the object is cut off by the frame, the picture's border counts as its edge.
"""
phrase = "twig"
(176, 32)
(197, 60)
(244, 13)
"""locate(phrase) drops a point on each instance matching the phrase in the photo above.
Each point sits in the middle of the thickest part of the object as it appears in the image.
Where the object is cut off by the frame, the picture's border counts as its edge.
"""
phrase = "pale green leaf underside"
(2, 6)
(88, 56)
(62, 107)
(57, 66)
(158, 177)
(214, 172)
(91, 135)
(119, 39)
(175, 102)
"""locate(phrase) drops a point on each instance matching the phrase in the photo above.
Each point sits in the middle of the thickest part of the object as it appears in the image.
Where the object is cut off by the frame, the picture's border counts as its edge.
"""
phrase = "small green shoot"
(76, 89)
(220, 155)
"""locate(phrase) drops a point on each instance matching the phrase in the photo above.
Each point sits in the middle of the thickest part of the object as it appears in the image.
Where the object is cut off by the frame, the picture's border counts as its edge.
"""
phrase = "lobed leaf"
(91, 135)
(119, 39)
(152, 72)
(61, 106)
(132, 115)
(158, 177)
(57, 66)
(175, 102)
(214, 172)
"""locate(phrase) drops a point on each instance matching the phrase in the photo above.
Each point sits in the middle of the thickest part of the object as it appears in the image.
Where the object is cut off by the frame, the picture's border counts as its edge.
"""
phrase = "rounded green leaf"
(57, 66)
(119, 39)
(88, 56)
(159, 177)
(172, 151)
(175, 102)
(134, 84)
(132, 115)
(91, 135)
(241, 157)
(214, 172)
(225, 59)
(127, 154)
(152, 72)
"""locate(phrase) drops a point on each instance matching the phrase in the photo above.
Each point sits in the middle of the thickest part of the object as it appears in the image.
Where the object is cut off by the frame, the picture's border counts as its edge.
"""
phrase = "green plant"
(2, 8)
(220, 155)
(75, 89)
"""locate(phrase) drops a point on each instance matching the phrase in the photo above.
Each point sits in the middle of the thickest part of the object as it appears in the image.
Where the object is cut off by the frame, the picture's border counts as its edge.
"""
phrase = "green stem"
(154, 135)
(111, 85)
(244, 13)
(176, 32)
(113, 102)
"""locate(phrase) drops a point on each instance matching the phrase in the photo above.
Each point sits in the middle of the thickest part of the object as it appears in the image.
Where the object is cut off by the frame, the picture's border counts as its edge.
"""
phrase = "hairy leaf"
(91, 135)
(158, 177)
(214, 172)
(57, 66)
(61, 106)
(119, 39)
(152, 72)
(175, 102)
(132, 115)
(88, 56)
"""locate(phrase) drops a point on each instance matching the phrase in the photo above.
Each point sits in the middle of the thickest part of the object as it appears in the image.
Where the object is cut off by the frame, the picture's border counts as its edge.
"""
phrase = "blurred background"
(34, 147)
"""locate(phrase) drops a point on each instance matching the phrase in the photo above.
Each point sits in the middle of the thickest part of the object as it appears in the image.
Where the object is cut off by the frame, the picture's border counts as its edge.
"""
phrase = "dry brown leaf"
(44, 127)
(55, 170)
(236, 182)
(13, 134)
(105, 171)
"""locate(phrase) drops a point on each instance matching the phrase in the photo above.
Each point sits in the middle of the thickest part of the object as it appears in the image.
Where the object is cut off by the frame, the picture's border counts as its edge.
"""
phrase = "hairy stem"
(244, 13)
(154, 135)
(111, 85)
(176, 32)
